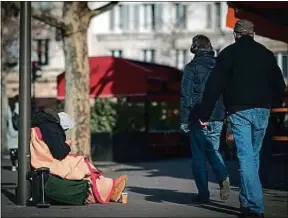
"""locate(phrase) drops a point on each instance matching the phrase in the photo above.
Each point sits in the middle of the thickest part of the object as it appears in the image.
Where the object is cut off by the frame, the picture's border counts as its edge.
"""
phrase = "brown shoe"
(120, 184)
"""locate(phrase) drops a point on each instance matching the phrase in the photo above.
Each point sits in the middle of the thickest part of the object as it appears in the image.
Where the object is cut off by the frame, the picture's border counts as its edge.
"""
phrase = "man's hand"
(203, 124)
(229, 138)
(184, 128)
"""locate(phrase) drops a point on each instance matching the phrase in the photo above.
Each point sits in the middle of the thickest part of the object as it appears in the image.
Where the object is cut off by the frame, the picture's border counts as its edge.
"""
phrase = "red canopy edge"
(116, 77)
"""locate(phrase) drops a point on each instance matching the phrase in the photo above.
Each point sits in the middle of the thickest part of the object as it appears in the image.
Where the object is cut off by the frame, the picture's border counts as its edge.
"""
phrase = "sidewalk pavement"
(156, 189)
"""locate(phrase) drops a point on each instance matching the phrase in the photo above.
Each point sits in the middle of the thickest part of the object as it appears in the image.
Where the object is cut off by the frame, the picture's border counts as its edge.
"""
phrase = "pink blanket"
(73, 167)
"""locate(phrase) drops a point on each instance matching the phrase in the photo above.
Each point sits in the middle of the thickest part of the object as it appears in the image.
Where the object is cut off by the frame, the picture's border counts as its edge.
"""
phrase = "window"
(149, 16)
(123, 18)
(112, 20)
(153, 22)
(43, 51)
(136, 20)
(148, 55)
(58, 34)
(127, 17)
(181, 58)
(218, 14)
(181, 16)
(282, 60)
(158, 15)
(209, 16)
(44, 6)
(285, 65)
(116, 53)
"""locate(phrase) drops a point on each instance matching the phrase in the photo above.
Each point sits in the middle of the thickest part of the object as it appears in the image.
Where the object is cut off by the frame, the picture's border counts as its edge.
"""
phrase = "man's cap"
(244, 26)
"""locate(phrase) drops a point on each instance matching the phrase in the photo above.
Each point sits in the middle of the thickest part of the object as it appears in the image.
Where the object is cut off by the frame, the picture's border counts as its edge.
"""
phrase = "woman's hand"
(68, 141)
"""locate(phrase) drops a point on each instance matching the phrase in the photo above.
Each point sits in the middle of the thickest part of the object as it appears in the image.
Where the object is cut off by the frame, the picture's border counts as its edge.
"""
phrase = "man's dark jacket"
(193, 83)
(53, 134)
(247, 75)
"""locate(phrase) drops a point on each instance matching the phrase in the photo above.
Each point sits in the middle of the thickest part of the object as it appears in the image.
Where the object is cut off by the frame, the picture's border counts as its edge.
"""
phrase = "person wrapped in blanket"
(52, 127)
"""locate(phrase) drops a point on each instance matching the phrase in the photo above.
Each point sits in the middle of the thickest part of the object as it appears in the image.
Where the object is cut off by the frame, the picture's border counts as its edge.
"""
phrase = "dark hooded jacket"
(53, 135)
(193, 84)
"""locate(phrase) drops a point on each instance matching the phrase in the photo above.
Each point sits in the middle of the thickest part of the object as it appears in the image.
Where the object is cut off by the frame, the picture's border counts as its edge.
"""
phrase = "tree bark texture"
(77, 74)
(4, 106)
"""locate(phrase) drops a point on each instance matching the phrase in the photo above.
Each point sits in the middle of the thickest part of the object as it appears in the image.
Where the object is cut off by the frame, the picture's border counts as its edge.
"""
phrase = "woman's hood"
(45, 116)
(51, 116)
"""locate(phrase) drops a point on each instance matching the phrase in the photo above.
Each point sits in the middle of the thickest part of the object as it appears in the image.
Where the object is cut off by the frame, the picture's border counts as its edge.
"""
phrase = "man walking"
(247, 75)
(204, 140)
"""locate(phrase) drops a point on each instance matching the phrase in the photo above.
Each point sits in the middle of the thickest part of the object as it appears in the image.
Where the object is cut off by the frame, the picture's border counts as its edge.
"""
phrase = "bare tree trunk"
(77, 74)
(4, 105)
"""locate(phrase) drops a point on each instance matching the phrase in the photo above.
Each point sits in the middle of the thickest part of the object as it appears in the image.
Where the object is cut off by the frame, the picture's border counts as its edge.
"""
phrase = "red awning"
(114, 77)
(270, 18)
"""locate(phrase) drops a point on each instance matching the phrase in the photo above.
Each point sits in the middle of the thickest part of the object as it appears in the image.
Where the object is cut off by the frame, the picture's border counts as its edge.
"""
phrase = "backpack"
(66, 192)
(15, 120)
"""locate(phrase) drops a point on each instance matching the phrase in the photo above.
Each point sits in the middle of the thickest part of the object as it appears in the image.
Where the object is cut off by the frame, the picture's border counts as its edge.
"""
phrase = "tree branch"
(48, 18)
(102, 9)
(44, 17)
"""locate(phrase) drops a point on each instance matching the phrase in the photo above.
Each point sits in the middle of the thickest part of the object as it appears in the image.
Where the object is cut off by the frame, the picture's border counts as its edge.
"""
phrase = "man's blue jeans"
(249, 127)
(204, 143)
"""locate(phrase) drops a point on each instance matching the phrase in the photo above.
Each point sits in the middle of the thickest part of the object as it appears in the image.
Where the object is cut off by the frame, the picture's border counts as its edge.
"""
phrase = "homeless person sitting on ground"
(49, 148)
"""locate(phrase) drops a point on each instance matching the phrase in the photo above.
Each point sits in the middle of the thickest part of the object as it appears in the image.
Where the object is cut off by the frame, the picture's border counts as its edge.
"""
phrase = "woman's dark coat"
(53, 135)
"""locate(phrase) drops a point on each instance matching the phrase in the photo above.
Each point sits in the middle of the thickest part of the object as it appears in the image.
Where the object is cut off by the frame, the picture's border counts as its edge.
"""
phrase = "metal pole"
(24, 101)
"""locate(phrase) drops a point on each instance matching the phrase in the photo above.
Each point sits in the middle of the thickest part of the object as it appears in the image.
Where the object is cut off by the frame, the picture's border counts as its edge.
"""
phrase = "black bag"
(62, 191)
(15, 120)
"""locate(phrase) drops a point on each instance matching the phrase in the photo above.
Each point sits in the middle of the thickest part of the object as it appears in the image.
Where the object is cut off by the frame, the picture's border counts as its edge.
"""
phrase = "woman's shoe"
(120, 184)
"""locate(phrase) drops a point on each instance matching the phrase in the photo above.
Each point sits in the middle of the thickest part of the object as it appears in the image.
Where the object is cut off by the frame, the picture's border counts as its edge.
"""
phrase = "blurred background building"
(46, 50)
(162, 32)
(158, 32)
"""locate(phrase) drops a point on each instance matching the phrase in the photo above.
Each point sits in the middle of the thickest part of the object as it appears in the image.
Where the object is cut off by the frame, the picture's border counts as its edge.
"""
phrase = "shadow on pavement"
(8, 183)
(220, 208)
(173, 196)
(6, 167)
(277, 197)
(162, 195)
(182, 169)
(7, 192)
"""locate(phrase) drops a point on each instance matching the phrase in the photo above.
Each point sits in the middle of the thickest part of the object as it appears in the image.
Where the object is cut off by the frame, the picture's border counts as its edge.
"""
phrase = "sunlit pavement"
(156, 189)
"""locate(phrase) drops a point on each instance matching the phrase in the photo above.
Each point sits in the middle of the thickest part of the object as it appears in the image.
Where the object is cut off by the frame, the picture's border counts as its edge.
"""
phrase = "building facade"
(162, 32)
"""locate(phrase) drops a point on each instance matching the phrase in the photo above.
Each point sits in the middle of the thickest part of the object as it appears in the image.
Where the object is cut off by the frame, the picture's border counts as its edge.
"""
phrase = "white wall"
(196, 17)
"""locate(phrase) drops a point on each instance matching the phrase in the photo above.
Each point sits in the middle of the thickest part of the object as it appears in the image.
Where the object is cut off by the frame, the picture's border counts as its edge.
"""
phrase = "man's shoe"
(251, 214)
(246, 213)
(225, 189)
